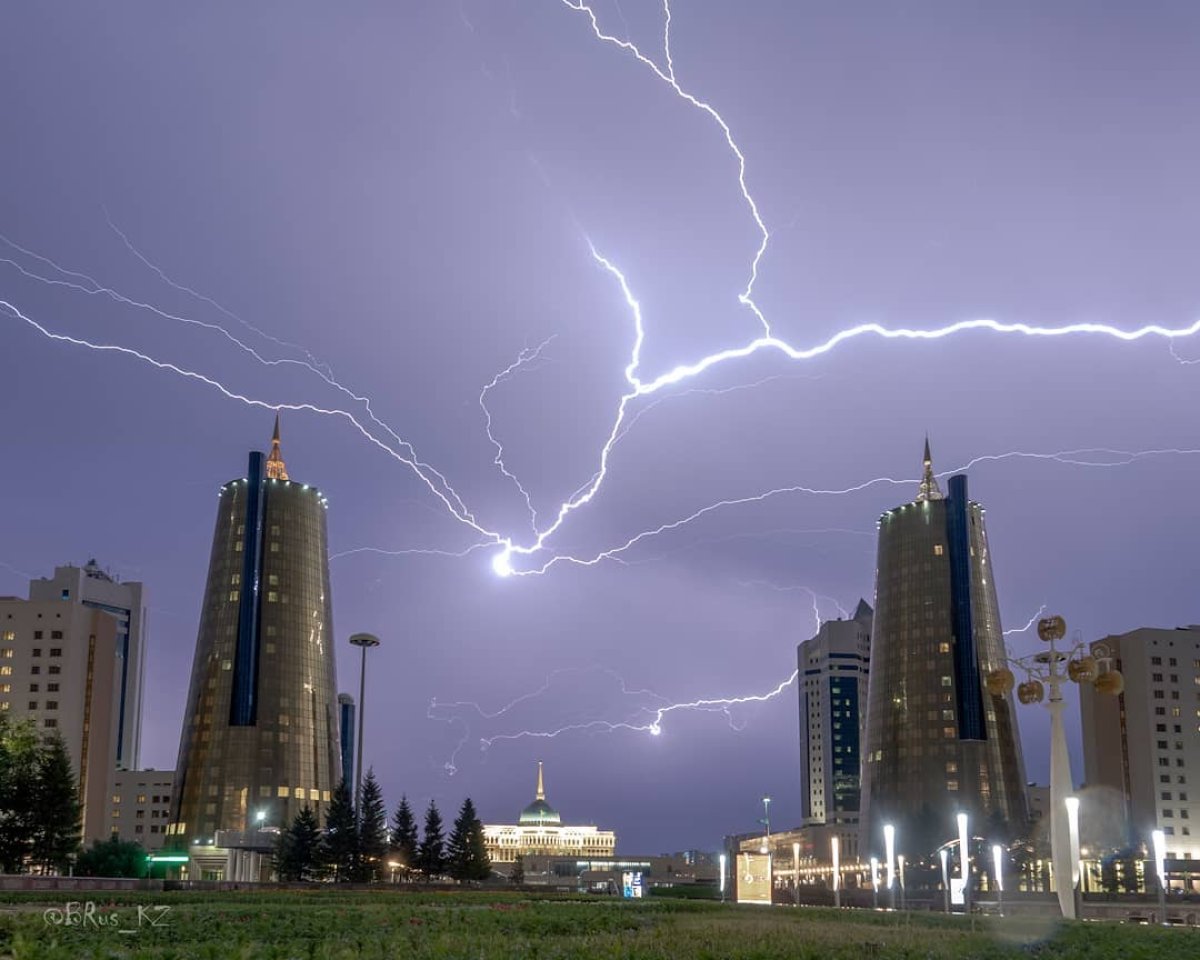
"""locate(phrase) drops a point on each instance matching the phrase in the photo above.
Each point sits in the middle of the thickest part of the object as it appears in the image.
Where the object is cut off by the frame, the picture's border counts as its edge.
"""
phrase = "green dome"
(539, 812)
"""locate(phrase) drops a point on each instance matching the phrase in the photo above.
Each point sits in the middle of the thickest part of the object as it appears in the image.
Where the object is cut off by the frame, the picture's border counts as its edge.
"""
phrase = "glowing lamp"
(1031, 691)
(1000, 682)
(1052, 628)
(1083, 670)
(1111, 682)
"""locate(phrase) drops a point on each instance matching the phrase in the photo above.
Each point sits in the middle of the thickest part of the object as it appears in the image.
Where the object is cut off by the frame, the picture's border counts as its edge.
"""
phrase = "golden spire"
(929, 489)
(541, 790)
(276, 468)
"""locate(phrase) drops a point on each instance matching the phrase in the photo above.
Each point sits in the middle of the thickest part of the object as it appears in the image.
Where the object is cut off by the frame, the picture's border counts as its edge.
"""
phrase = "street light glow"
(998, 862)
(889, 850)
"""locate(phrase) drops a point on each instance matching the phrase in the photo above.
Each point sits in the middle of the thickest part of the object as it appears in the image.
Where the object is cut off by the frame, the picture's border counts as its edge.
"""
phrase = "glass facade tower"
(937, 743)
(261, 729)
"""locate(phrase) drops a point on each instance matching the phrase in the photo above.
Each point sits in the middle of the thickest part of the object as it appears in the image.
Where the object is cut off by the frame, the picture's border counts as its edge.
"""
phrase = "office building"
(98, 589)
(59, 668)
(833, 667)
(937, 742)
(539, 831)
(261, 726)
(1141, 750)
(141, 806)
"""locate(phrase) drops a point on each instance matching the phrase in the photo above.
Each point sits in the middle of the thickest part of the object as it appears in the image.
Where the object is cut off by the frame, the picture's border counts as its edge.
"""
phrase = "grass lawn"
(325, 924)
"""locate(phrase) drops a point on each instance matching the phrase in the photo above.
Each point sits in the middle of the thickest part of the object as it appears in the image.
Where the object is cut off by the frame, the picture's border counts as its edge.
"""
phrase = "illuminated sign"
(631, 885)
(754, 878)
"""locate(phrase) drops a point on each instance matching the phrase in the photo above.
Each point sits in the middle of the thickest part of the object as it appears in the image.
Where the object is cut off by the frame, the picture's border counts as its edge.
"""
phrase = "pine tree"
(431, 856)
(341, 835)
(458, 849)
(467, 852)
(18, 792)
(372, 829)
(299, 851)
(112, 858)
(518, 871)
(481, 863)
(404, 836)
(57, 810)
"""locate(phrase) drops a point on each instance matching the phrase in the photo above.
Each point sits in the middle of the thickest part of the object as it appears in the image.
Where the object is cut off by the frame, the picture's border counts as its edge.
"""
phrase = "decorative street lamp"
(964, 861)
(945, 855)
(998, 869)
(1042, 670)
(875, 882)
(1160, 868)
(889, 852)
(837, 871)
(1072, 804)
(365, 641)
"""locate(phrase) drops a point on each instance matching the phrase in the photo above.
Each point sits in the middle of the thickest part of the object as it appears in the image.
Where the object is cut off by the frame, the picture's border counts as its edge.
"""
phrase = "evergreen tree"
(112, 858)
(19, 763)
(299, 852)
(431, 855)
(481, 863)
(518, 871)
(467, 852)
(404, 836)
(372, 830)
(57, 809)
(341, 835)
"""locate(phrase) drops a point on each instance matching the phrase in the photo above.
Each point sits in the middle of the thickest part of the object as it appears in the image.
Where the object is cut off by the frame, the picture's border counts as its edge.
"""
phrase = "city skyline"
(417, 234)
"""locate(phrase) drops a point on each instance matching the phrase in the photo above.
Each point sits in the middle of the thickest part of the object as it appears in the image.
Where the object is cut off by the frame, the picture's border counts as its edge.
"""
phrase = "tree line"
(39, 800)
(361, 848)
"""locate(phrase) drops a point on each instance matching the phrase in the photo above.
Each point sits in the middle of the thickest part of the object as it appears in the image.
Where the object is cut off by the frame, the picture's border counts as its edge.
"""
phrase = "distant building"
(98, 589)
(346, 726)
(539, 831)
(59, 668)
(141, 806)
(1144, 746)
(1039, 801)
(833, 666)
(936, 741)
(261, 727)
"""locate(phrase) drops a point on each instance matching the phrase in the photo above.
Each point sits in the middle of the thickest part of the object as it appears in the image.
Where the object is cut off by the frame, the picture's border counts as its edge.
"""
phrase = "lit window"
(283, 791)
(946, 681)
(5, 671)
(3, 705)
(943, 647)
(937, 550)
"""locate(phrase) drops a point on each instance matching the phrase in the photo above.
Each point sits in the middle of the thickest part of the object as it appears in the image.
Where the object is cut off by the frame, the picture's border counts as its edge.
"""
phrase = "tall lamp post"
(1072, 805)
(945, 857)
(1160, 869)
(964, 861)
(837, 871)
(998, 871)
(796, 871)
(889, 852)
(365, 641)
(1042, 670)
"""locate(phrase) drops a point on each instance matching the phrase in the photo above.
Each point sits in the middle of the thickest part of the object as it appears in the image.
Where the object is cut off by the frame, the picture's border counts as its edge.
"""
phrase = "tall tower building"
(1144, 746)
(97, 589)
(834, 666)
(260, 734)
(937, 742)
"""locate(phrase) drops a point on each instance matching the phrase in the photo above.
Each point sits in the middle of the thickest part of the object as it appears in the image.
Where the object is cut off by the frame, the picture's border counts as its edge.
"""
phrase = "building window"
(51, 704)
(937, 550)
(35, 669)
(141, 798)
(36, 652)
(283, 791)
(55, 669)
(56, 651)
(33, 688)
(52, 688)
(55, 635)
(116, 798)
(32, 704)
(49, 722)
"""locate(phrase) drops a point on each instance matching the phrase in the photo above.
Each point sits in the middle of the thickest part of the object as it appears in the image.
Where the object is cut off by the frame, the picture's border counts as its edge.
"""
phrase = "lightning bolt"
(524, 358)
(1032, 620)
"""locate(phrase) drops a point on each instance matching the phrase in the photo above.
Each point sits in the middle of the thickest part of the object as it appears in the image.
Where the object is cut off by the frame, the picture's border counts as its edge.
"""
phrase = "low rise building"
(141, 806)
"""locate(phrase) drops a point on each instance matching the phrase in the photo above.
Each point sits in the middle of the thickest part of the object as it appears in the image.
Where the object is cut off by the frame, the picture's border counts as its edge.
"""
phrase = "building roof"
(539, 812)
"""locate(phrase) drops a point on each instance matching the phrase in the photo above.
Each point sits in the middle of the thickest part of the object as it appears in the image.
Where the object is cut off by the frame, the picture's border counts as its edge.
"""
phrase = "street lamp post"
(1043, 670)
(945, 857)
(1160, 868)
(722, 859)
(365, 641)
(900, 877)
(998, 867)
(964, 861)
(796, 871)
(875, 883)
(889, 852)
(837, 872)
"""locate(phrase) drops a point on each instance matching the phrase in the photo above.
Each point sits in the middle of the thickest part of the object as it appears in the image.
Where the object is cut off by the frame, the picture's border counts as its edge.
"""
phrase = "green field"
(329, 924)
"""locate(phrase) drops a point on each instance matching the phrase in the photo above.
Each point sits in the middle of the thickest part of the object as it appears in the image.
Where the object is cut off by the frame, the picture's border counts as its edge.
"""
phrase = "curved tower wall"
(261, 726)
(937, 742)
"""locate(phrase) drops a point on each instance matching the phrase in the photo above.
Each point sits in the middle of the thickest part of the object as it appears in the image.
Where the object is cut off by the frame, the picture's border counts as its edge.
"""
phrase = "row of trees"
(39, 800)
(361, 848)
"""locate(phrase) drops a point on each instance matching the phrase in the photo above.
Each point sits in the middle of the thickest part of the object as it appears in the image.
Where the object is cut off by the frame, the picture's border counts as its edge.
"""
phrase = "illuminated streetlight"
(796, 871)
(723, 861)
(837, 871)
(889, 853)
(945, 855)
(900, 875)
(1160, 868)
(875, 882)
(998, 866)
(964, 861)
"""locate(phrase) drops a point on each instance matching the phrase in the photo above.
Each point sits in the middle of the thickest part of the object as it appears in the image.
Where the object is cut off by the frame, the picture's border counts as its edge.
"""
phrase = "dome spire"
(541, 788)
(276, 468)
(929, 489)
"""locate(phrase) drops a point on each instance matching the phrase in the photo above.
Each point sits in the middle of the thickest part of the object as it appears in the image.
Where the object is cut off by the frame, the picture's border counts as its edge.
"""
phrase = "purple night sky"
(408, 190)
